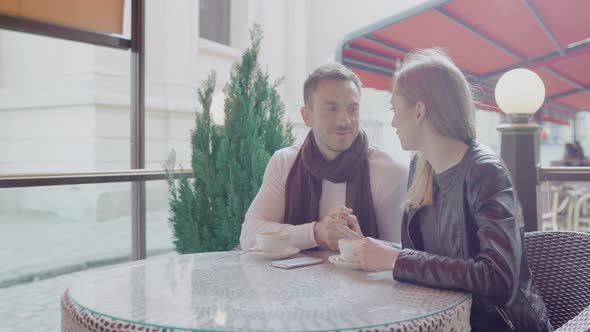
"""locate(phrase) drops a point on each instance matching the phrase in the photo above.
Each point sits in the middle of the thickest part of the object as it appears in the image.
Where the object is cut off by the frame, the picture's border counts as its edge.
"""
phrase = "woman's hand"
(353, 223)
(375, 256)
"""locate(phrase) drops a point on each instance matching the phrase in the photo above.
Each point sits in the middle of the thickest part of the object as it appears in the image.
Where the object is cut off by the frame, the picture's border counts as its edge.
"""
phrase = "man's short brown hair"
(330, 71)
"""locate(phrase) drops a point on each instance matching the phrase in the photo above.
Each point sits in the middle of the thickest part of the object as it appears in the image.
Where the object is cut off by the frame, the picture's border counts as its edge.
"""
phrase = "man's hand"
(353, 223)
(375, 256)
(351, 220)
(334, 227)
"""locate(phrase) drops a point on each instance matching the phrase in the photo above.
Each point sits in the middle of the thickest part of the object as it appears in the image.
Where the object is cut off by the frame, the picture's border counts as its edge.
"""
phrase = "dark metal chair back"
(560, 264)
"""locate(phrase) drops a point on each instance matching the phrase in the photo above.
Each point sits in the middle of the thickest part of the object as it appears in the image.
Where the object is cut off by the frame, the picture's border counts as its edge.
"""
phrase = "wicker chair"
(560, 264)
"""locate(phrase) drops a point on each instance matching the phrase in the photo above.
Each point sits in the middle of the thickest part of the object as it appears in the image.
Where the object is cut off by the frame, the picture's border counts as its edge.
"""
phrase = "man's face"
(333, 116)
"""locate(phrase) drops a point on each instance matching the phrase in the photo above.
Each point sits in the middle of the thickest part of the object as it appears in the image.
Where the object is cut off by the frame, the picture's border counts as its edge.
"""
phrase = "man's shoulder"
(388, 176)
(287, 153)
(285, 157)
(381, 162)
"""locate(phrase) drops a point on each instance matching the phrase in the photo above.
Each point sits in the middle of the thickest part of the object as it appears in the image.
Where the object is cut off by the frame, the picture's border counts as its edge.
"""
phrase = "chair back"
(560, 264)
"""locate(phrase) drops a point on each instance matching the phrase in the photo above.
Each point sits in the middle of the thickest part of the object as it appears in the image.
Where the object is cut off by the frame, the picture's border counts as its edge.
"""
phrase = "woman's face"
(405, 121)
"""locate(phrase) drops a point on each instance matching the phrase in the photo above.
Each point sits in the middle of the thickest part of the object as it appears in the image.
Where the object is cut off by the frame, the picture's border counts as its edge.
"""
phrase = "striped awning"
(486, 39)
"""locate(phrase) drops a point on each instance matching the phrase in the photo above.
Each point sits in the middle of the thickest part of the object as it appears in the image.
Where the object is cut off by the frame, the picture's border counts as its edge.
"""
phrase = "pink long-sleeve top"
(266, 213)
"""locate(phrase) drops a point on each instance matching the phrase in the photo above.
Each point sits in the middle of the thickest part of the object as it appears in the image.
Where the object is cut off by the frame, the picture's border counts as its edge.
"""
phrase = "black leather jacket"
(483, 246)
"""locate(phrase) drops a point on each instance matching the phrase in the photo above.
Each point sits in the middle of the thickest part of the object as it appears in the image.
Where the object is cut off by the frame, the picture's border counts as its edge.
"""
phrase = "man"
(334, 183)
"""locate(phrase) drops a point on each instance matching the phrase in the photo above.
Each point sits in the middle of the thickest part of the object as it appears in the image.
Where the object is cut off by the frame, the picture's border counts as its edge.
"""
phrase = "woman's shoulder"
(482, 156)
(484, 163)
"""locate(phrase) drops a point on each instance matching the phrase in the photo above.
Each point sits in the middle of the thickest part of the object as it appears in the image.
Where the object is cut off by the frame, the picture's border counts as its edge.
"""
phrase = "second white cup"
(272, 241)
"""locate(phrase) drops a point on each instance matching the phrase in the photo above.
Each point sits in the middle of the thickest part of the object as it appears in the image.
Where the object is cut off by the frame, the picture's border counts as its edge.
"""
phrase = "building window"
(214, 20)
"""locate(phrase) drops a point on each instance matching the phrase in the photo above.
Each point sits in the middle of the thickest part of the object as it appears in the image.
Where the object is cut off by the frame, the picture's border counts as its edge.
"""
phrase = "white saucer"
(289, 251)
(340, 262)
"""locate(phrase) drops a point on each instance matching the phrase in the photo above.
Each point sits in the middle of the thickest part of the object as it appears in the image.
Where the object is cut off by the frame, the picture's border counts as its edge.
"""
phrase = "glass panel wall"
(61, 230)
(159, 237)
(67, 229)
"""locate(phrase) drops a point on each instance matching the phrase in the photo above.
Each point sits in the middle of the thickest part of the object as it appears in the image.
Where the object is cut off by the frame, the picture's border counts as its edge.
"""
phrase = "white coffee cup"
(272, 241)
(348, 249)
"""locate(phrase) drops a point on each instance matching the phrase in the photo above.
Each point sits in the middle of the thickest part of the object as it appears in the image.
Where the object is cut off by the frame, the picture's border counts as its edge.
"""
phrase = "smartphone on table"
(296, 262)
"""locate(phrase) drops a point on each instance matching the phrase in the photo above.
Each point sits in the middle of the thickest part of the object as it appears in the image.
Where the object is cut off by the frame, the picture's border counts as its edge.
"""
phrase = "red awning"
(486, 38)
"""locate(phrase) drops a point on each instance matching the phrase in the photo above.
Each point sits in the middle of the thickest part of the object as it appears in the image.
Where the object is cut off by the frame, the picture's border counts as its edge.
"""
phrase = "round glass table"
(226, 291)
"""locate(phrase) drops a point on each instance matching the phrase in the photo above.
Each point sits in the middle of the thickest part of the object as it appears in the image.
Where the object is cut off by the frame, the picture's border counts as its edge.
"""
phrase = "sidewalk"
(33, 306)
(40, 257)
(36, 306)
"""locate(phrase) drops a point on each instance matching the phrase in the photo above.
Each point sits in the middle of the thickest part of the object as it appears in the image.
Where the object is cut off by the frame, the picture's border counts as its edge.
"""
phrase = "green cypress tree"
(228, 161)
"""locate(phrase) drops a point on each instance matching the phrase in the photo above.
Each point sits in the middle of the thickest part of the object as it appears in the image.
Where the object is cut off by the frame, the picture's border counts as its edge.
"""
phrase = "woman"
(462, 227)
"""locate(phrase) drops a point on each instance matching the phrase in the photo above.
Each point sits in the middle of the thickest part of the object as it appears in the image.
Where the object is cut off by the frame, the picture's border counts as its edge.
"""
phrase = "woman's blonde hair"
(430, 76)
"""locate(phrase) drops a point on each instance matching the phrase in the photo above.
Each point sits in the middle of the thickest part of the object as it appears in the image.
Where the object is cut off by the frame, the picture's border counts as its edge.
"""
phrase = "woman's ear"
(420, 111)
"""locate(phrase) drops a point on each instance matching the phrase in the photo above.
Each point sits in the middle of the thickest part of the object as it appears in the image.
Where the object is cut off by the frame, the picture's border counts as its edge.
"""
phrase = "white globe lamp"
(520, 93)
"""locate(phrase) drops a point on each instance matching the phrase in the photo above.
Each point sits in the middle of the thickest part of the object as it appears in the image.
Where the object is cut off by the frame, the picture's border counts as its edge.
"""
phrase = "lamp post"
(520, 93)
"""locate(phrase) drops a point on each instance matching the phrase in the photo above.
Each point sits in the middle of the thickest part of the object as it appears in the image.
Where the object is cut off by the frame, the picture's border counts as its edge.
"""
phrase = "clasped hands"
(338, 224)
(341, 223)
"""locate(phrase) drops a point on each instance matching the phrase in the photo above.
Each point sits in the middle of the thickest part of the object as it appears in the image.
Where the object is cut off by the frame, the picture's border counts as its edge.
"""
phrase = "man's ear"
(306, 115)
(420, 112)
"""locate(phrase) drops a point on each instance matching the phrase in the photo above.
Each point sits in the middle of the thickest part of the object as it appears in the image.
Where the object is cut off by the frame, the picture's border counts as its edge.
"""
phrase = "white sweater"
(266, 213)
